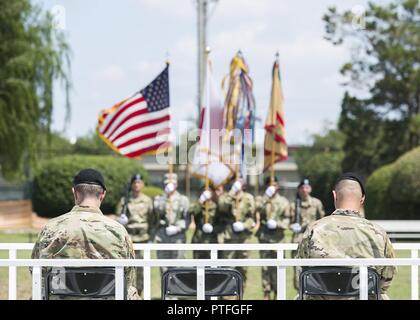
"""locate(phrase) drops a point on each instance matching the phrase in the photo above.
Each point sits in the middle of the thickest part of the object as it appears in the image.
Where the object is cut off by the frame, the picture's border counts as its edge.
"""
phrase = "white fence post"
(36, 283)
(147, 277)
(200, 283)
(281, 277)
(119, 283)
(414, 277)
(12, 276)
(363, 283)
(213, 257)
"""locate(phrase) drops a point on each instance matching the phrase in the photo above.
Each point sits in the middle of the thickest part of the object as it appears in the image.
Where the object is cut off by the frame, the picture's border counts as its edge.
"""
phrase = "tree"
(92, 144)
(385, 63)
(33, 54)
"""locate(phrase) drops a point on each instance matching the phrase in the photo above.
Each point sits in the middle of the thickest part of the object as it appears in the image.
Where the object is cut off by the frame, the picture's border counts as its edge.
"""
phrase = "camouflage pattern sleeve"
(130, 272)
(259, 203)
(320, 210)
(152, 220)
(119, 206)
(250, 212)
(184, 220)
(44, 239)
(36, 251)
(388, 272)
(303, 251)
(283, 219)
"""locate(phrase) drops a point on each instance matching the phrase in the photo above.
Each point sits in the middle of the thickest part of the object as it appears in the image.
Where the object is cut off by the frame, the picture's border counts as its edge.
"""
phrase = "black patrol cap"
(304, 182)
(89, 176)
(268, 180)
(352, 176)
(136, 177)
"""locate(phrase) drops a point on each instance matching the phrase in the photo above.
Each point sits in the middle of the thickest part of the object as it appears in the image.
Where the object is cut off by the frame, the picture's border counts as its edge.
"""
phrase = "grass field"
(400, 288)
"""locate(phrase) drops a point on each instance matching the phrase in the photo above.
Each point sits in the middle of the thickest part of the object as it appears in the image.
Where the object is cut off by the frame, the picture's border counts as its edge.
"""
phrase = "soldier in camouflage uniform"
(311, 209)
(206, 227)
(139, 219)
(172, 212)
(237, 215)
(85, 233)
(273, 217)
(346, 234)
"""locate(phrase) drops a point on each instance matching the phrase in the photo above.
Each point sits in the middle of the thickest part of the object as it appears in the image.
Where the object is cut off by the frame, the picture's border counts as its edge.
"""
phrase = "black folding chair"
(96, 283)
(219, 282)
(336, 282)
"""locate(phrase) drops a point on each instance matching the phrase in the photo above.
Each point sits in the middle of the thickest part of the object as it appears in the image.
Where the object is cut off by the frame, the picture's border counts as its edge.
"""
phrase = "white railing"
(281, 263)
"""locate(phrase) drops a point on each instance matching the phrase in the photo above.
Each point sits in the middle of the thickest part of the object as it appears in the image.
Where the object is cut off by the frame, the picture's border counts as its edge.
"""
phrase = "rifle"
(298, 202)
(124, 211)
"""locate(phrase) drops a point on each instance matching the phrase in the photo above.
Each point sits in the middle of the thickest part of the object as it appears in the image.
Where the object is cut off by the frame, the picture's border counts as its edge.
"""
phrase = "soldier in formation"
(273, 218)
(138, 217)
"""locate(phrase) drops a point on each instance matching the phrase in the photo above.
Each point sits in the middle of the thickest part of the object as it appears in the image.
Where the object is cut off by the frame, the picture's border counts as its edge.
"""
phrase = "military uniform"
(345, 234)
(197, 210)
(141, 225)
(276, 208)
(310, 211)
(85, 233)
(228, 214)
(171, 211)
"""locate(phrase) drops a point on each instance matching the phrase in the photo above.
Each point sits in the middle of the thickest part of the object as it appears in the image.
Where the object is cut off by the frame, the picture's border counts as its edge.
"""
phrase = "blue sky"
(120, 46)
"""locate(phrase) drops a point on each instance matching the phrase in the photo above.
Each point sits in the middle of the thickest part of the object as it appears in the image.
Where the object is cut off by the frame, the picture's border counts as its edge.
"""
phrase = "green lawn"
(400, 288)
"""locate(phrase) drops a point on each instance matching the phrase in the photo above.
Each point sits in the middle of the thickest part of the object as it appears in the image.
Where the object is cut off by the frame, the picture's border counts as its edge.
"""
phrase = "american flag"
(140, 124)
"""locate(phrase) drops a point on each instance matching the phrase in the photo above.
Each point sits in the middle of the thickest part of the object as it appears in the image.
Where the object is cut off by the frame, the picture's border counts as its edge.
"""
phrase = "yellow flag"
(275, 146)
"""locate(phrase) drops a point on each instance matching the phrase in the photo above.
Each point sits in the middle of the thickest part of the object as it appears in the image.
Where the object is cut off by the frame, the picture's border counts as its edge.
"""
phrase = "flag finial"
(167, 57)
(208, 50)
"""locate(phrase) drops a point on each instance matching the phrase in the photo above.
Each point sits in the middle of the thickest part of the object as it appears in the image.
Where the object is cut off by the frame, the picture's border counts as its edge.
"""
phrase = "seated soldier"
(346, 234)
(85, 233)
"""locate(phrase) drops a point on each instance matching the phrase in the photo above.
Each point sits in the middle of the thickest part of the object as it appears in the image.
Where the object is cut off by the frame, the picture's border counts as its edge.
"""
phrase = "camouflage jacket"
(172, 211)
(311, 210)
(197, 210)
(228, 213)
(85, 233)
(345, 234)
(276, 208)
(141, 218)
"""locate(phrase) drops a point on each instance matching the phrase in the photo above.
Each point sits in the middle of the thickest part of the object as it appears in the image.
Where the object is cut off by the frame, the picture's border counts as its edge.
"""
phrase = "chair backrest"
(218, 282)
(78, 283)
(336, 281)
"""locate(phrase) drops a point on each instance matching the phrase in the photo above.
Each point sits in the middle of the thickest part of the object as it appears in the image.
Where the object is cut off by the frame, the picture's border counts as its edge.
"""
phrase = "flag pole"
(207, 116)
(170, 164)
(273, 131)
(269, 213)
(237, 198)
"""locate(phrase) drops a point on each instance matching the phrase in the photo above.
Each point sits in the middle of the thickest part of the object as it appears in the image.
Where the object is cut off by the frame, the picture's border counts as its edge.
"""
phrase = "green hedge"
(51, 192)
(393, 191)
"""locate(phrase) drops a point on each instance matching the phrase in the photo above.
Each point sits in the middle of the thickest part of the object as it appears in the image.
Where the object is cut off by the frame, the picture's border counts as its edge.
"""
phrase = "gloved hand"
(270, 191)
(171, 230)
(123, 219)
(169, 188)
(206, 195)
(236, 187)
(238, 226)
(296, 227)
(271, 224)
(207, 228)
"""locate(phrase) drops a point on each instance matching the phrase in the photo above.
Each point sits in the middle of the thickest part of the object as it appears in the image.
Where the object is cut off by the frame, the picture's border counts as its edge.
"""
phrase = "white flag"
(208, 153)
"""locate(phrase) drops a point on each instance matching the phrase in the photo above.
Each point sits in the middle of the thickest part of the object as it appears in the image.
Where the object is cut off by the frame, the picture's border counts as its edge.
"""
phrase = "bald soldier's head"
(349, 194)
